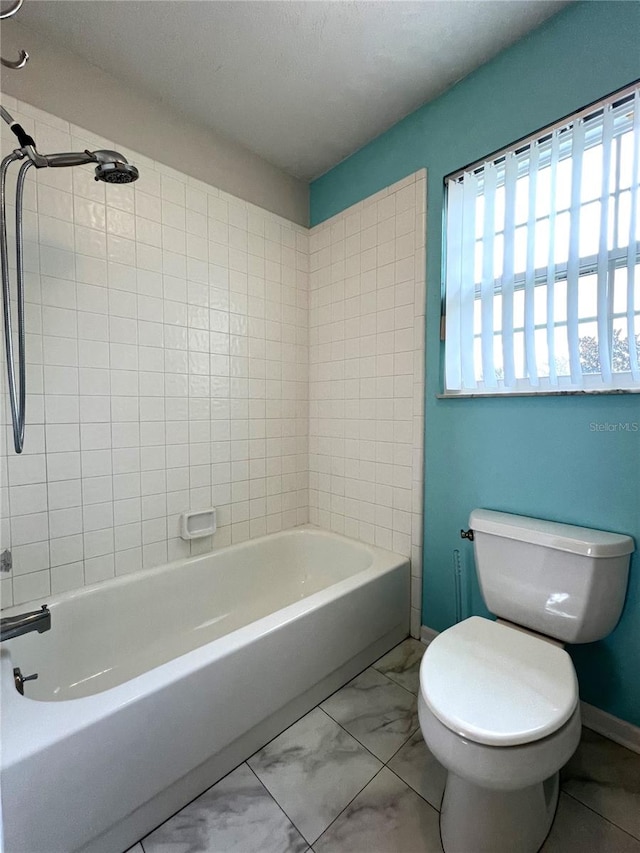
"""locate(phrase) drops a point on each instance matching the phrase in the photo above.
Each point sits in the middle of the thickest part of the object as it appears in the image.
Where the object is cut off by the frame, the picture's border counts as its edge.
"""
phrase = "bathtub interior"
(105, 635)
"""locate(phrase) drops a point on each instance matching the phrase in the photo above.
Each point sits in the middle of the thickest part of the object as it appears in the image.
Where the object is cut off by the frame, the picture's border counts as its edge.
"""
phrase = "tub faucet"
(34, 620)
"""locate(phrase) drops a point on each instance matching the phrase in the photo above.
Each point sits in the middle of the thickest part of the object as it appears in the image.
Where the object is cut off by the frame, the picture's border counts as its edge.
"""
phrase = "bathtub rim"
(53, 599)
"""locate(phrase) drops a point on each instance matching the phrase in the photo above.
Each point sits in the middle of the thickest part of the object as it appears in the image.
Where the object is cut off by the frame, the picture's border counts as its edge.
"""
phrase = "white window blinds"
(543, 260)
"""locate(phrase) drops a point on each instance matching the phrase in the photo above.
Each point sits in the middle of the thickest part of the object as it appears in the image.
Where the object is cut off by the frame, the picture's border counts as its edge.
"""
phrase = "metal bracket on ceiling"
(24, 56)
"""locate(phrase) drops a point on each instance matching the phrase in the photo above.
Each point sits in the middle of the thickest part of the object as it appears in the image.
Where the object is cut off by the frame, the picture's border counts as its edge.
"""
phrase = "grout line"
(186, 805)
(317, 707)
(601, 816)
(393, 681)
(338, 723)
(403, 745)
(417, 793)
(347, 732)
(271, 796)
(349, 803)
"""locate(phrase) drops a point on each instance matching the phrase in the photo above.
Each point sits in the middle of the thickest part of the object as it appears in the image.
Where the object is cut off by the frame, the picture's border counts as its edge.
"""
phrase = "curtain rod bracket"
(23, 58)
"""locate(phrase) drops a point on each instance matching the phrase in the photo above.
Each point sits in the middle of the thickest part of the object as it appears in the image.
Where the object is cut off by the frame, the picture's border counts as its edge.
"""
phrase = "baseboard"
(620, 731)
(427, 634)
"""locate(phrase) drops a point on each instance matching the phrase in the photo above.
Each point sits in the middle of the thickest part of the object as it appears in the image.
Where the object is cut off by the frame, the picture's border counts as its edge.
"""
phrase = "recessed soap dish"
(198, 523)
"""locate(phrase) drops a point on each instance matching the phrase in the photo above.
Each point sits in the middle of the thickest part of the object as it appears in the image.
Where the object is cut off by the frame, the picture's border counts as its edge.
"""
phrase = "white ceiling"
(302, 83)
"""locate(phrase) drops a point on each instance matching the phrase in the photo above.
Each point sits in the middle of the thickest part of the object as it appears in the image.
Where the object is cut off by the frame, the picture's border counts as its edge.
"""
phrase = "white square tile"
(63, 466)
(28, 499)
(98, 569)
(26, 470)
(64, 494)
(97, 517)
(30, 587)
(128, 561)
(67, 549)
(65, 522)
(62, 438)
(30, 558)
(67, 577)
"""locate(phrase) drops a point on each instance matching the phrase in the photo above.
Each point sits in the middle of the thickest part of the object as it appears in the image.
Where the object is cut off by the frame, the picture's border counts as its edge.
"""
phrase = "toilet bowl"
(498, 703)
(499, 710)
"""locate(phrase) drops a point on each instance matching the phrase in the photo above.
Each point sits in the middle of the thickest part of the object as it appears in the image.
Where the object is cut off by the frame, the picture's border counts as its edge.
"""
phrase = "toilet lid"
(497, 685)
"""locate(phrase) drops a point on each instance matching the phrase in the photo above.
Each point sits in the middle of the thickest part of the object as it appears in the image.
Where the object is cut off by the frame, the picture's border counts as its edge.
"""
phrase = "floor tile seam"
(377, 757)
(392, 680)
(397, 684)
(186, 805)
(269, 794)
(603, 817)
(348, 733)
(355, 796)
(402, 746)
(404, 782)
(350, 801)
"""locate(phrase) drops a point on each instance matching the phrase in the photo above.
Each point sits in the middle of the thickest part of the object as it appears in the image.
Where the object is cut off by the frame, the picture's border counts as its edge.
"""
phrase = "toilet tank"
(563, 581)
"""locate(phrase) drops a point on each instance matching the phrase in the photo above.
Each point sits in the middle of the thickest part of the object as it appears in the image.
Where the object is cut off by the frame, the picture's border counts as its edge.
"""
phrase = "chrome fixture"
(24, 56)
(110, 167)
(19, 679)
(467, 534)
(11, 10)
(23, 623)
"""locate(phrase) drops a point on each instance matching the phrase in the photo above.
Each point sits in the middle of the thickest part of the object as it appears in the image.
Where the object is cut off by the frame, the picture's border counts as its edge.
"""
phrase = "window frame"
(588, 265)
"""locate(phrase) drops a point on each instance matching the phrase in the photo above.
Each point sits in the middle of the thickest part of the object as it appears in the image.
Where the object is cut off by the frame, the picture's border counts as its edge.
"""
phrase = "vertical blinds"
(542, 260)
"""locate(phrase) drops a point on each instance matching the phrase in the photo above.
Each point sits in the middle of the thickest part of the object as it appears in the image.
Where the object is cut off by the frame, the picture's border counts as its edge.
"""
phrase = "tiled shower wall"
(168, 333)
(167, 346)
(366, 391)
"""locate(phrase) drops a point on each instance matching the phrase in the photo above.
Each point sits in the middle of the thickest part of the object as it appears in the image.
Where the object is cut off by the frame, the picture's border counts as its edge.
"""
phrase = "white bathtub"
(152, 686)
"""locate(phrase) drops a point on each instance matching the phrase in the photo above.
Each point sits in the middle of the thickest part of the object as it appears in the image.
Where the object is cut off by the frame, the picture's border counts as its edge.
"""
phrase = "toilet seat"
(496, 685)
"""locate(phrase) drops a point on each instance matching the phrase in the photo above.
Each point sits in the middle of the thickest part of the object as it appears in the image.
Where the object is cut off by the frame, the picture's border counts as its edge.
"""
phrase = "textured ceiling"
(302, 84)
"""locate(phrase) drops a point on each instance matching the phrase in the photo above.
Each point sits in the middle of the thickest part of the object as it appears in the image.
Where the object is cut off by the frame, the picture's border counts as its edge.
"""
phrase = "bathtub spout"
(34, 620)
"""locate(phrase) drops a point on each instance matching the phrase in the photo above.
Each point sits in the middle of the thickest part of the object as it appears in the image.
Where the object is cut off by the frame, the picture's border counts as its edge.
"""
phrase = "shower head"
(113, 168)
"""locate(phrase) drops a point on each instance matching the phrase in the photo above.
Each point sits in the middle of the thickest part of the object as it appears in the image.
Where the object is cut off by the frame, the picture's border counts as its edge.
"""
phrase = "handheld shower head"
(113, 168)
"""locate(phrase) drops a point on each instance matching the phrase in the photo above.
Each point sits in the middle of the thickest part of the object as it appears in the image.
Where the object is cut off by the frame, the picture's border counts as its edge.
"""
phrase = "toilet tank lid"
(551, 534)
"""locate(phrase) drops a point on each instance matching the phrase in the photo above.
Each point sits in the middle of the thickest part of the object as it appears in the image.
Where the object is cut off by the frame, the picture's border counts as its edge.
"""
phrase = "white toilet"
(498, 701)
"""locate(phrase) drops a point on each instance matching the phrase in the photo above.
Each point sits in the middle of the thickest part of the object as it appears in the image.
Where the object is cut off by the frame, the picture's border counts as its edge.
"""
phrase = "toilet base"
(486, 821)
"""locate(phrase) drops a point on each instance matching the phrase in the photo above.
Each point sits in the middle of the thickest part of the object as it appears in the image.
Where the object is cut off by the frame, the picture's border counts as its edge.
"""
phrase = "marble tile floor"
(354, 776)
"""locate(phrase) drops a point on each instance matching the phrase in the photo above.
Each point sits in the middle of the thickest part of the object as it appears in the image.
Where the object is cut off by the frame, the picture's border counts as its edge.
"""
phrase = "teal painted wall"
(539, 456)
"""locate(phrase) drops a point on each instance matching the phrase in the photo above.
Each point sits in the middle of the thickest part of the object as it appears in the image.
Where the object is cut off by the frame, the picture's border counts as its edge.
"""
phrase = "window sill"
(503, 394)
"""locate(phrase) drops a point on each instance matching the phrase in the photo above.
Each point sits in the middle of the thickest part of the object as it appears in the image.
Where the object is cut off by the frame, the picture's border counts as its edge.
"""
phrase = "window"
(542, 255)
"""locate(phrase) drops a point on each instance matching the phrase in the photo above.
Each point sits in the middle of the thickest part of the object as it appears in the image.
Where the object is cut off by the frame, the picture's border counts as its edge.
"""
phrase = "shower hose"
(17, 390)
